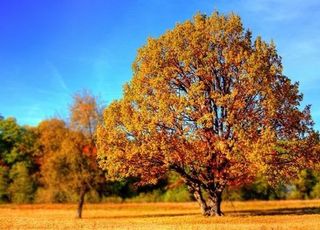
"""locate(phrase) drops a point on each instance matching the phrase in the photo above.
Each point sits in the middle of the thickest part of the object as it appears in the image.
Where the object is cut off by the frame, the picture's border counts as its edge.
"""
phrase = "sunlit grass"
(238, 215)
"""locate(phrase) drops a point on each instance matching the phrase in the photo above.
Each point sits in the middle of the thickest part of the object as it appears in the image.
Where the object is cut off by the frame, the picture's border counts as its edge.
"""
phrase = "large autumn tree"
(212, 104)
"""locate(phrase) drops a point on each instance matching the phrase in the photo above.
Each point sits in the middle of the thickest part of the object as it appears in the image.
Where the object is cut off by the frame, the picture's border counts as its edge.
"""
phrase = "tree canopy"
(211, 103)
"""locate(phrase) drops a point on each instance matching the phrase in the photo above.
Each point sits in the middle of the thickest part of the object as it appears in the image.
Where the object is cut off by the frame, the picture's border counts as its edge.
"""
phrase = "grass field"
(238, 215)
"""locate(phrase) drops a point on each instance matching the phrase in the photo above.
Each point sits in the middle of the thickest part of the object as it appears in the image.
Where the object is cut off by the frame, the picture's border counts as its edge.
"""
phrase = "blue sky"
(51, 49)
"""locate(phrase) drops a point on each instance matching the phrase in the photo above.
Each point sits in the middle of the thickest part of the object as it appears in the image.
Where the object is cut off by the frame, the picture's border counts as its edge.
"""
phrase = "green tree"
(11, 136)
(259, 189)
(303, 185)
(22, 187)
(212, 104)
(17, 147)
(4, 184)
(316, 191)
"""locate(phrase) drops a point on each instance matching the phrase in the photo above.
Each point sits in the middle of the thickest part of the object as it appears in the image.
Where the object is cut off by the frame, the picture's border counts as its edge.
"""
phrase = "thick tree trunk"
(82, 194)
(214, 203)
(210, 206)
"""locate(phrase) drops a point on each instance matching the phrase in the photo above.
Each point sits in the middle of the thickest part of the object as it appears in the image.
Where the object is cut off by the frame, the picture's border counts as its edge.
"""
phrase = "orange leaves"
(207, 100)
(85, 113)
(90, 151)
(69, 152)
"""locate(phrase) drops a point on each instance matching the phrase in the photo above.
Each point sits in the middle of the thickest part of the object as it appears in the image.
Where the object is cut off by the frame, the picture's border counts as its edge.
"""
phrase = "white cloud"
(57, 76)
(281, 10)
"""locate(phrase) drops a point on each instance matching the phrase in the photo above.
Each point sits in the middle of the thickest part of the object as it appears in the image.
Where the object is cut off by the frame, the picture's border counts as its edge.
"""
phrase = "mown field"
(238, 215)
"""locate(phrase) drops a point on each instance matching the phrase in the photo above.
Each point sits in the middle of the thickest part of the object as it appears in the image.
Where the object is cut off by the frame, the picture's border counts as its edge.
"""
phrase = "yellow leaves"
(51, 133)
(205, 97)
(221, 146)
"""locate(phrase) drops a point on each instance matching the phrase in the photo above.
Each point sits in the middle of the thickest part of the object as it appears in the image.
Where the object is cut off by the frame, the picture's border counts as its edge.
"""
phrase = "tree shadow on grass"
(143, 216)
(278, 211)
(251, 212)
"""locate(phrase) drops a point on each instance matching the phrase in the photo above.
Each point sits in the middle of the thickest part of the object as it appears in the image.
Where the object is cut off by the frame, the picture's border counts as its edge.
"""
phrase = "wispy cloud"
(279, 10)
(57, 76)
(295, 26)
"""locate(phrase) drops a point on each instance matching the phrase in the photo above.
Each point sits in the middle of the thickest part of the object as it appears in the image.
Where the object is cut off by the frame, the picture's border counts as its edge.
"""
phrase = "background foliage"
(27, 175)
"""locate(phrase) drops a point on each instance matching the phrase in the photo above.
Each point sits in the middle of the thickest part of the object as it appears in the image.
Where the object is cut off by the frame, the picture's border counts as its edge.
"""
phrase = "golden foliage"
(210, 103)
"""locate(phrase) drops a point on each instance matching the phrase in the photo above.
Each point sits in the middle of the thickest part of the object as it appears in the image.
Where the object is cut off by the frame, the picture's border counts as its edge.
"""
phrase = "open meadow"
(238, 215)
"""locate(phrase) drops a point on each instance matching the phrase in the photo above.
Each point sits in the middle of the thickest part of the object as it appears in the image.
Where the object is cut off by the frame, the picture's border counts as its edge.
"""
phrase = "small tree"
(71, 170)
(70, 163)
(85, 114)
(210, 104)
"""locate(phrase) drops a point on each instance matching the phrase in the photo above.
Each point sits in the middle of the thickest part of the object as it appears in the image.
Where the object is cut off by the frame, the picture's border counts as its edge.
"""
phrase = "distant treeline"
(56, 162)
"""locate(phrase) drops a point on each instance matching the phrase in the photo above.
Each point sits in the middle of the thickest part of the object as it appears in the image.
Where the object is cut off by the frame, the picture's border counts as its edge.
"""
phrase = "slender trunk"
(82, 194)
(202, 203)
(196, 191)
(218, 211)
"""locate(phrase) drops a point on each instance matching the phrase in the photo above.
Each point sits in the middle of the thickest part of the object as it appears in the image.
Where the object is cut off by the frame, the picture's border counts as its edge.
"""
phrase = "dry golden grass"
(238, 215)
